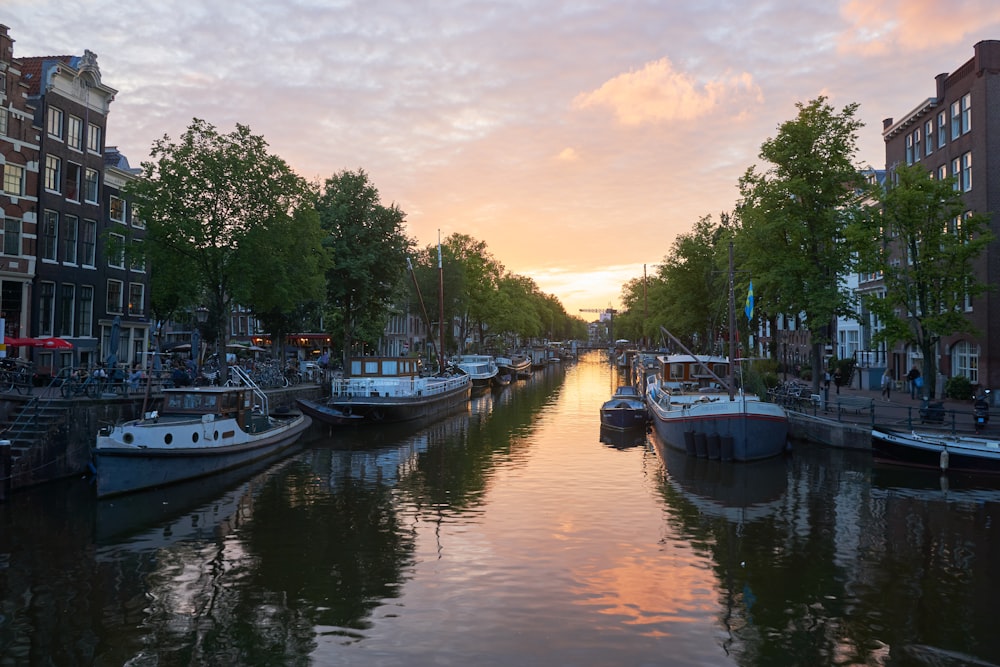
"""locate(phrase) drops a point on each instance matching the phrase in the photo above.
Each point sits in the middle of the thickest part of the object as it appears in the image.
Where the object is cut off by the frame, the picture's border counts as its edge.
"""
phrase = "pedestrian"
(837, 379)
(916, 382)
(887, 385)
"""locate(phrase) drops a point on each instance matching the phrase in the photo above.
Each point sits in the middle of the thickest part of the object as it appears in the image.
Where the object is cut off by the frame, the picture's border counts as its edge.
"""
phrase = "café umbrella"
(48, 343)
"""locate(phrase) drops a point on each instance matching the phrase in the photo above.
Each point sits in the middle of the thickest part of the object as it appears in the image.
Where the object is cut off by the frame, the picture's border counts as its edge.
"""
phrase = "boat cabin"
(687, 373)
(222, 402)
(365, 367)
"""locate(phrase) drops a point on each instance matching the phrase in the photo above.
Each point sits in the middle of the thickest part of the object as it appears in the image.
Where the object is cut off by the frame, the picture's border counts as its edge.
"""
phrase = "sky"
(576, 138)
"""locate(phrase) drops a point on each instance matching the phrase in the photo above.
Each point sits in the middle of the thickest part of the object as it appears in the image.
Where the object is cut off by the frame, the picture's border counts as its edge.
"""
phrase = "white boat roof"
(688, 359)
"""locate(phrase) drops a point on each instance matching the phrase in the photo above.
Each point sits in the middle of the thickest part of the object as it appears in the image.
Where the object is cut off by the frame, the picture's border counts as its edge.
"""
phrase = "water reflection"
(509, 533)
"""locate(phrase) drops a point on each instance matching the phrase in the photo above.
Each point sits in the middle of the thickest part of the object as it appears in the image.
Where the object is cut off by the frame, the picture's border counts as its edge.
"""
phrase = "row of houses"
(954, 134)
(63, 271)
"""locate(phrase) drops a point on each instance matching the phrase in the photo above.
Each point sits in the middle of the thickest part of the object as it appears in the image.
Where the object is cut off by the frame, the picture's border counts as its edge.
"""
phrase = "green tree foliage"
(211, 203)
(925, 244)
(369, 250)
(793, 214)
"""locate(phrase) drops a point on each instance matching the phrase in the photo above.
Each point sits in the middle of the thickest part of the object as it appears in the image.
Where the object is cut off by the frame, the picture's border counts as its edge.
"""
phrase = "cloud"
(878, 29)
(659, 93)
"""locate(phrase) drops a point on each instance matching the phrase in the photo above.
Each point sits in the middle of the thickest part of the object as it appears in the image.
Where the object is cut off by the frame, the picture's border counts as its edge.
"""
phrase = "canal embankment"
(47, 437)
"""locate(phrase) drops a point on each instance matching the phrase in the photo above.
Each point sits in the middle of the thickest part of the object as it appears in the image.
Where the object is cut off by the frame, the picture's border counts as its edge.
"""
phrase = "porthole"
(168, 438)
(194, 437)
(128, 438)
(216, 435)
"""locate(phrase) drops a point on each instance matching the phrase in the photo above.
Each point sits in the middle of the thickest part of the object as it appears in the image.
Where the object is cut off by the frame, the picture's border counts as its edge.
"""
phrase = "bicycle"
(79, 383)
(16, 375)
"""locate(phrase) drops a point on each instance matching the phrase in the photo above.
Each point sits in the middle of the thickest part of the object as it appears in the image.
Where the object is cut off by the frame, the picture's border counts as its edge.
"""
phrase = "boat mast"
(423, 308)
(441, 301)
(732, 325)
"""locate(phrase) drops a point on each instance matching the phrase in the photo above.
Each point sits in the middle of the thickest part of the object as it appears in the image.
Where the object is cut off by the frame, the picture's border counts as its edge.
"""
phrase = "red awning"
(49, 343)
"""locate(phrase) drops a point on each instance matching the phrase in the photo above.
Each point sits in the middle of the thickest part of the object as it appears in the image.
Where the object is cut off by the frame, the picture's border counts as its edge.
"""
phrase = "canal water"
(513, 534)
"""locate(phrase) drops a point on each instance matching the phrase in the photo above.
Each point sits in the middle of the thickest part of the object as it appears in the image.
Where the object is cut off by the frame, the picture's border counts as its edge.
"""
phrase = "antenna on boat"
(441, 301)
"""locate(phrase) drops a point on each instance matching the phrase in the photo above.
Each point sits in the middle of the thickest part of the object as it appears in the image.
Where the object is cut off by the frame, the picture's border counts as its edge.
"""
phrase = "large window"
(956, 120)
(91, 182)
(942, 129)
(928, 137)
(3, 122)
(967, 171)
(55, 123)
(50, 235)
(115, 297)
(116, 208)
(966, 107)
(71, 229)
(74, 133)
(136, 298)
(956, 172)
(965, 361)
(12, 237)
(85, 311)
(909, 149)
(72, 181)
(46, 307)
(89, 242)
(94, 138)
(116, 251)
(13, 179)
(53, 173)
(67, 301)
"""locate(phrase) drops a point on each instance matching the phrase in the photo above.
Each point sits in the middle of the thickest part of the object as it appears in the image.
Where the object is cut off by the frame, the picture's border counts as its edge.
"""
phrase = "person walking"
(913, 377)
(887, 385)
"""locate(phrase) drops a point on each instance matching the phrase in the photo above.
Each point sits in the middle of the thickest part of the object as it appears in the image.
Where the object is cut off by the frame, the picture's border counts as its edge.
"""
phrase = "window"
(72, 181)
(909, 149)
(136, 295)
(115, 296)
(956, 120)
(928, 137)
(50, 234)
(13, 179)
(55, 123)
(93, 138)
(116, 251)
(956, 172)
(67, 301)
(137, 258)
(967, 171)
(46, 307)
(942, 173)
(942, 129)
(71, 228)
(917, 145)
(117, 209)
(89, 242)
(3, 121)
(965, 361)
(91, 181)
(12, 237)
(85, 311)
(53, 172)
(966, 107)
(74, 133)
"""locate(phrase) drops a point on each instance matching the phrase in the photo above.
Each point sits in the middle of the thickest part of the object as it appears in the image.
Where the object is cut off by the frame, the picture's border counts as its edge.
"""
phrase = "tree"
(924, 243)
(369, 250)
(794, 214)
(211, 202)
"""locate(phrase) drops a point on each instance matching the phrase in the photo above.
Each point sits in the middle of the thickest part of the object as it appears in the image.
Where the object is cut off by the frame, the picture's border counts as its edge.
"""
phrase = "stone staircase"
(30, 422)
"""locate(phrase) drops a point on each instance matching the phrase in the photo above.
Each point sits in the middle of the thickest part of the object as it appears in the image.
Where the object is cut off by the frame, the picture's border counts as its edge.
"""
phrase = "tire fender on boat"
(943, 462)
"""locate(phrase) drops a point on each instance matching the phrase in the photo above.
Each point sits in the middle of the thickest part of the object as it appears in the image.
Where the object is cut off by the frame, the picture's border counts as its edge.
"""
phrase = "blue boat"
(624, 410)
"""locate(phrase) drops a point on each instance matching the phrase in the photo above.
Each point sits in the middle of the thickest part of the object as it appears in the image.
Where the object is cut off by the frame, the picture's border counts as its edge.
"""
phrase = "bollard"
(5, 469)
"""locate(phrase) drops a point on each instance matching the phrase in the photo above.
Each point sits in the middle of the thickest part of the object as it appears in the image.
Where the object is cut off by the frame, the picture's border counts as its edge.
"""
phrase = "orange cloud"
(881, 28)
(659, 93)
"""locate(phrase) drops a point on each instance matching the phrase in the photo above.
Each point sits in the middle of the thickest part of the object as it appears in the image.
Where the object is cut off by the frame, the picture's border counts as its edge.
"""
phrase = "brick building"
(956, 134)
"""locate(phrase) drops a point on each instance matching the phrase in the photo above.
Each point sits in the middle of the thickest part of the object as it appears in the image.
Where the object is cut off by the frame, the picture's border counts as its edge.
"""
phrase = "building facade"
(956, 134)
(19, 196)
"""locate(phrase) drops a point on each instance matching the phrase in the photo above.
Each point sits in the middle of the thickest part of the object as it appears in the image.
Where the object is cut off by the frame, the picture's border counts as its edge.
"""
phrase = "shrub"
(958, 387)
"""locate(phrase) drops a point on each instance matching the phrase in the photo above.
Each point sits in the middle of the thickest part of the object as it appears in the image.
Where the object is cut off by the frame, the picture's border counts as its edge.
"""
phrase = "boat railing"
(395, 387)
(245, 380)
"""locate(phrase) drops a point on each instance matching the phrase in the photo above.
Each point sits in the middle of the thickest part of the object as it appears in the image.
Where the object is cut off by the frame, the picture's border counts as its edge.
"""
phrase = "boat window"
(371, 367)
(720, 369)
(174, 402)
(355, 367)
(390, 367)
(210, 402)
(191, 401)
(676, 371)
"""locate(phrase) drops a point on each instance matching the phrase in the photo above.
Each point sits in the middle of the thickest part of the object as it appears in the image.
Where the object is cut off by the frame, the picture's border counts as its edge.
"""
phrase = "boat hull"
(624, 417)
(976, 455)
(123, 469)
(758, 430)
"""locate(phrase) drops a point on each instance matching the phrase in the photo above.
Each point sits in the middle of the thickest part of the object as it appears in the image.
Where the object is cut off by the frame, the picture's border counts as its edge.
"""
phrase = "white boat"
(936, 450)
(481, 369)
(196, 432)
(391, 389)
